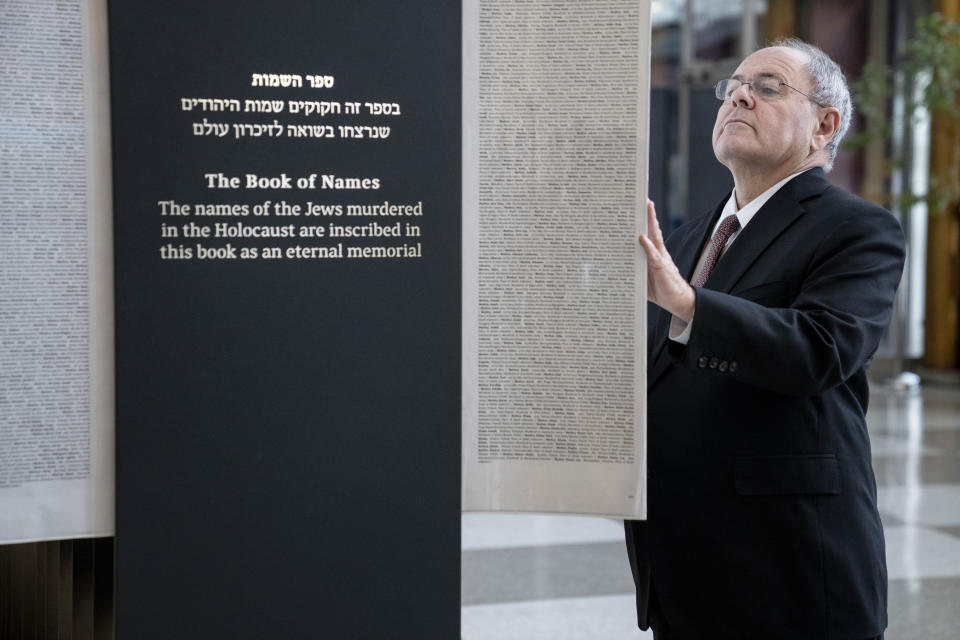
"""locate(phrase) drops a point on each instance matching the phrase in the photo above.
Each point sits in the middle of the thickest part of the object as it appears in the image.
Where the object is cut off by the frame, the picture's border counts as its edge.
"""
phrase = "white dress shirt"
(680, 330)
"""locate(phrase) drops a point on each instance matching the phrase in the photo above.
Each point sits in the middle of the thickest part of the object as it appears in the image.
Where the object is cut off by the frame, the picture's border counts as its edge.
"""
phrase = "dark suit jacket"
(762, 507)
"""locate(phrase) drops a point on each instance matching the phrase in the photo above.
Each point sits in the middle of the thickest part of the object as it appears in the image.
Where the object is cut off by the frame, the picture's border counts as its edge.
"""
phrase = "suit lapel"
(688, 254)
(773, 219)
(770, 221)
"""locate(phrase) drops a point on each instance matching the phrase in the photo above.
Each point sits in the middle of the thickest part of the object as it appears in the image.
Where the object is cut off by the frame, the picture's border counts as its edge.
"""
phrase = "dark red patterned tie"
(726, 229)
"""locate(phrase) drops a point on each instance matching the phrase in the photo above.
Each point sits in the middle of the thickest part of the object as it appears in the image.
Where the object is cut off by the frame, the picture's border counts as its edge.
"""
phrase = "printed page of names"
(56, 317)
(555, 151)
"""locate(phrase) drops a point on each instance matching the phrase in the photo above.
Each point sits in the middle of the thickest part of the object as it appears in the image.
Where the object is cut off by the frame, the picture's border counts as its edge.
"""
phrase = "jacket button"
(702, 362)
(723, 365)
(733, 366)
(714, 362)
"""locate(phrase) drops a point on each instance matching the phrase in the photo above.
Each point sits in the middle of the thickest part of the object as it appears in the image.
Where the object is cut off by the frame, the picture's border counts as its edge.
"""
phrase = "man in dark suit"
(762, 510)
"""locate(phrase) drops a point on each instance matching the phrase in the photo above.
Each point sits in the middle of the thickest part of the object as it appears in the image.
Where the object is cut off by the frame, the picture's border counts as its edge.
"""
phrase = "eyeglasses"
(765, 88)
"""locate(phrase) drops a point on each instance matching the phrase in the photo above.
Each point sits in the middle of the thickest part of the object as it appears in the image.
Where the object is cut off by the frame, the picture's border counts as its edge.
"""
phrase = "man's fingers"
(653, 254)
(653, 225)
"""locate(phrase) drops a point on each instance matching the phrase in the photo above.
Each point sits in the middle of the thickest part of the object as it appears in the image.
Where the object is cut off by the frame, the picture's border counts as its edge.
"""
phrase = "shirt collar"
(746, 213)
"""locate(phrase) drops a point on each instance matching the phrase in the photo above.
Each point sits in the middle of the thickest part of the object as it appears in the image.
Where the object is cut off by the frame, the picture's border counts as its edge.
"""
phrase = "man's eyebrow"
(767, 74)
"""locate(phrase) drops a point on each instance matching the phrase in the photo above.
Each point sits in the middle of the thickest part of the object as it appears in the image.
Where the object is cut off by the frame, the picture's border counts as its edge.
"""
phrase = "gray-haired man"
(762, 503)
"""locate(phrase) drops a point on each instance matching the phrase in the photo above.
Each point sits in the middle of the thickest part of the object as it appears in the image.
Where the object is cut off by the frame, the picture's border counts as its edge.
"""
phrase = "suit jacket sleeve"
(845, 287)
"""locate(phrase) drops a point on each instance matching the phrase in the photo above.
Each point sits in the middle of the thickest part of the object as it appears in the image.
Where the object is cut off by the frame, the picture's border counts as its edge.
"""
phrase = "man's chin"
(733, 155)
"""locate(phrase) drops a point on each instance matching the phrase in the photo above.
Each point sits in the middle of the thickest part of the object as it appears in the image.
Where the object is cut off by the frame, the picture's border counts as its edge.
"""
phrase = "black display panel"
(288, 379)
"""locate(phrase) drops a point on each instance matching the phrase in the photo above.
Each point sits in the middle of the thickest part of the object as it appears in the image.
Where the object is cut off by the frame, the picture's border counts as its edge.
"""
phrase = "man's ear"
(827, 124)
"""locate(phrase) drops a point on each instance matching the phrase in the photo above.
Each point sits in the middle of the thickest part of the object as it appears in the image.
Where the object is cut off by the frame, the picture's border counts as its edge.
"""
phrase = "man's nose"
(743, 96)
